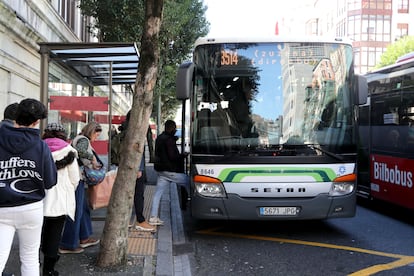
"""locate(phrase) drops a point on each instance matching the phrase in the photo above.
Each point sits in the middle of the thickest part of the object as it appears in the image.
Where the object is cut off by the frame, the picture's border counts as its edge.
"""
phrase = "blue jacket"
(26, 166)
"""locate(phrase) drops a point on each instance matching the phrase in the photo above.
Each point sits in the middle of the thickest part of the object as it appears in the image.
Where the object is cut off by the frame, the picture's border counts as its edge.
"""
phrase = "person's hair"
(124, 124)
(90, 128)
(10, 111)
(55, 130)
(55, 134)
(29, 111)
(128, 116)
(169, 125)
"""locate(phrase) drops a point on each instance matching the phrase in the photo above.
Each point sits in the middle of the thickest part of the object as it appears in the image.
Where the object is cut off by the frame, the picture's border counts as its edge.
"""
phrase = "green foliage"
(183, 22)
(116, 20)
(395, 50)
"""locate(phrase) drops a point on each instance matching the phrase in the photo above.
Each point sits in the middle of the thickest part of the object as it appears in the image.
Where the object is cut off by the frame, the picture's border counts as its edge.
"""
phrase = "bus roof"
(281, 39)
(409, 56)
(404, 66)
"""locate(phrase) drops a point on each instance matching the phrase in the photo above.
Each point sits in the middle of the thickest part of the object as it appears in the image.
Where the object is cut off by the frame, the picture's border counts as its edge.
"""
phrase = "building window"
(371, 57)
(377, 4)
(354, 5)
(403, 6)
(387, 4)
(354, 27)
(84, 28)
(402, 30)
(66, 9)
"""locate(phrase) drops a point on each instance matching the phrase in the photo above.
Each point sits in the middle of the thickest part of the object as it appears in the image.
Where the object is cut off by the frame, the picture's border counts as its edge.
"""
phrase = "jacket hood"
(55, 144)
(18, 140)
(63, 152)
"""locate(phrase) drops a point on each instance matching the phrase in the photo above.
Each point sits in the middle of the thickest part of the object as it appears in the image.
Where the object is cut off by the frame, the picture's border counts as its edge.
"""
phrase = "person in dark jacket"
(27, 169)
(9, 115)
(169, 164)
(116, 143)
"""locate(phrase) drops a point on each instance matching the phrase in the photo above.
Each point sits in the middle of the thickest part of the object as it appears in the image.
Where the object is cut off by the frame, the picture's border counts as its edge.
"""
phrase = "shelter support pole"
(110, 115)
(44, 82)
(159, 115)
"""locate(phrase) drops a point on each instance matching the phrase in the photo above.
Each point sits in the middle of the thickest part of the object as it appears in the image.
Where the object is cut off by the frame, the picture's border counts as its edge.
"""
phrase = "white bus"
(272, 128)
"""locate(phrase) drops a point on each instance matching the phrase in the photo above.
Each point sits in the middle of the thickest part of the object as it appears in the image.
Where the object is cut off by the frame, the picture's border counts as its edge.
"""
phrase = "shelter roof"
(93, 61)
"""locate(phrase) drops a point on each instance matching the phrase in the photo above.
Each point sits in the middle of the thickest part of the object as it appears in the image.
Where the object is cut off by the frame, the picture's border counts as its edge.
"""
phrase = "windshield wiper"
(253, 151)
(329, 153)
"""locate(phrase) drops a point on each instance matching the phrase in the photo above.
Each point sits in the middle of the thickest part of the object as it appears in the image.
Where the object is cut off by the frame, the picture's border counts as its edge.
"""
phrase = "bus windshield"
(273, 98)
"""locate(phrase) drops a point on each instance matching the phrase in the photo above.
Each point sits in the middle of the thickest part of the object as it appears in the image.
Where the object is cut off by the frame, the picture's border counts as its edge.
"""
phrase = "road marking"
(402, 260)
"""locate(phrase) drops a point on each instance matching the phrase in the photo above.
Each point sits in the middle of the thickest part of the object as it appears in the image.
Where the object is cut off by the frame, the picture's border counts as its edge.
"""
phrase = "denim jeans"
(27, 221)
(81, 228)
(164, 179)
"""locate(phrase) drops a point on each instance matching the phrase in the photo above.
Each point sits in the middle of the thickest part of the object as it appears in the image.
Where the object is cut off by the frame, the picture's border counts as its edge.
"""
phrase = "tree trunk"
(114, 242)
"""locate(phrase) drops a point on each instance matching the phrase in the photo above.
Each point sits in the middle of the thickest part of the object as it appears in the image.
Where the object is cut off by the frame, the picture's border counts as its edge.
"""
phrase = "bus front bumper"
(236, 208)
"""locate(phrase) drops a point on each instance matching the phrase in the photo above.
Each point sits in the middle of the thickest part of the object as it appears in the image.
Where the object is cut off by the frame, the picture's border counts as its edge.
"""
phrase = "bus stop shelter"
(83, 82)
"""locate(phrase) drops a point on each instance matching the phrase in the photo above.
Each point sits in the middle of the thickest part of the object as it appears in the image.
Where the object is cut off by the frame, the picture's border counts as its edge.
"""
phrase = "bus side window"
(393, 138)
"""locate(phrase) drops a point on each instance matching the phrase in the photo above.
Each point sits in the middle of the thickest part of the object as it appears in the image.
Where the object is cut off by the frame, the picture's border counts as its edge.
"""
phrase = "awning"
(94, 61)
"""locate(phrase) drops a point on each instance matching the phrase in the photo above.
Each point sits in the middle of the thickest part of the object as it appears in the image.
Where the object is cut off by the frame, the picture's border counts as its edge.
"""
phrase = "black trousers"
(139, 198)
(51, 235)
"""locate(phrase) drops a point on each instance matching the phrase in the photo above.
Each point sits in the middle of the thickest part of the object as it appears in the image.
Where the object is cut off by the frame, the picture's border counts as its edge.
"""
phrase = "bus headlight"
(341, 188)
(208, 186)
(343, 185)
(210, 190)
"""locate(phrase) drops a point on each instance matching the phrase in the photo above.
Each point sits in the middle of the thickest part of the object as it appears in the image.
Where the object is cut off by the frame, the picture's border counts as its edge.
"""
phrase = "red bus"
(386, 128)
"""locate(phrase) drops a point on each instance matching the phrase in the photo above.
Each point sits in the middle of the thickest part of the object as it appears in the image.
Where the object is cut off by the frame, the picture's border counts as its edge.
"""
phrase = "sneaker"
(155, 221)
(144, 226)
(88, 242)
(71, 251)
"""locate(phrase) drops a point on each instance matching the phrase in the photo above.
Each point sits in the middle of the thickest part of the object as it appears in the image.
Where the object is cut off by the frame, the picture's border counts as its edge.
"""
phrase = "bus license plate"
(278, 211)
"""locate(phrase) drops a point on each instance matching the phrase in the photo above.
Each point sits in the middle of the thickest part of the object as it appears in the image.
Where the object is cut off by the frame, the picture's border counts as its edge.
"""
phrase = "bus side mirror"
(184, 81)
(361, 89)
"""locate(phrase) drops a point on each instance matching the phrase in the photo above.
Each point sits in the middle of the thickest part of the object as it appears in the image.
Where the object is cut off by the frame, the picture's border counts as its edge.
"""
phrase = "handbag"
(99, 195)
(94, 176)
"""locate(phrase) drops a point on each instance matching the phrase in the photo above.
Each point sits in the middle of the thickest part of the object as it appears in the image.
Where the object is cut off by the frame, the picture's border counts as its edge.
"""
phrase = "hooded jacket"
(60, 199)
(26, 166)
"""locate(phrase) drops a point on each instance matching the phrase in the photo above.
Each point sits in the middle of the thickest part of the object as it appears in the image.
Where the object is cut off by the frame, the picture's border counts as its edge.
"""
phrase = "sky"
(255, 17)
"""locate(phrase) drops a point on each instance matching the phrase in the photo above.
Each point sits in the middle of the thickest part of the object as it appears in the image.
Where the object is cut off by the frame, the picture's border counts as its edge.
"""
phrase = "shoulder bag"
(94, 176)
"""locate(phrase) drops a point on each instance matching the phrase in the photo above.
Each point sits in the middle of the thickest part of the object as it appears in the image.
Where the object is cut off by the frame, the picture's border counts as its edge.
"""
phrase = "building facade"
(372, 25)
(26, 23)
(23, 24)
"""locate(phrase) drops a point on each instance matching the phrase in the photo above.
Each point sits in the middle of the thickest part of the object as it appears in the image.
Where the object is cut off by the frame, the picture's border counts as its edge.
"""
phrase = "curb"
(170, 235)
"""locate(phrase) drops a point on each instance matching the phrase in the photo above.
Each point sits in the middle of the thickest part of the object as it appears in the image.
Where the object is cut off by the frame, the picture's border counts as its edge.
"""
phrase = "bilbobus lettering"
(393, 175)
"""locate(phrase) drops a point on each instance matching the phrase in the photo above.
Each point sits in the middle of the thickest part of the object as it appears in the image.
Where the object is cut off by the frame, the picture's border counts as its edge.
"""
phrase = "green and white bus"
(271, 128)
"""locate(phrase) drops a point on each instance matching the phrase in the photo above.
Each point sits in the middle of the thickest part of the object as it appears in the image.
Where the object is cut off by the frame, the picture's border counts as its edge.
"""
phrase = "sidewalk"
(148, 253)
